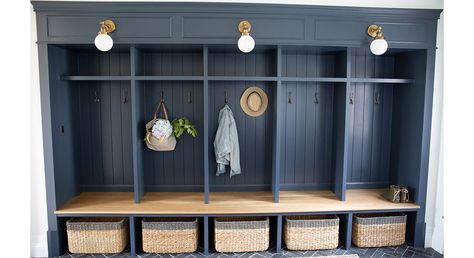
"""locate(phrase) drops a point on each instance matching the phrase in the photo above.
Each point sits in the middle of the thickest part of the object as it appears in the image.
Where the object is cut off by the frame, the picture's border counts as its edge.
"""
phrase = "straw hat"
(254, 101)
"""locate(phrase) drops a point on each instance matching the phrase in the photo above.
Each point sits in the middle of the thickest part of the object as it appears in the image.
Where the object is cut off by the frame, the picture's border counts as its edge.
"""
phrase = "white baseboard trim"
(39, 246)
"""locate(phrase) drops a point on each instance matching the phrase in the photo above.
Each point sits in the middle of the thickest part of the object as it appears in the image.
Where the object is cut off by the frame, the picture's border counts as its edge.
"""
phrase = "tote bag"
(162, 143)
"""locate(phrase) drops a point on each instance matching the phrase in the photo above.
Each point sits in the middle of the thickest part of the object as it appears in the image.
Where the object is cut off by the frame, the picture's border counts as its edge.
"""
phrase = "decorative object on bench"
(379, 229)
(311, 232)
(226, 143)
(97, 234)
(397, 194)
(242, 234)
(159, 132)
(170, 235)
(254, 101)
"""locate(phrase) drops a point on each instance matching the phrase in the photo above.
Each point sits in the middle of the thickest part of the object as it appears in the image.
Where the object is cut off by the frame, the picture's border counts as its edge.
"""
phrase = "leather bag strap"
(165, 112)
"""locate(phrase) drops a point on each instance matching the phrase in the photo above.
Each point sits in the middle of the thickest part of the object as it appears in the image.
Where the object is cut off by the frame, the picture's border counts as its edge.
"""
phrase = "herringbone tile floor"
(386, 252)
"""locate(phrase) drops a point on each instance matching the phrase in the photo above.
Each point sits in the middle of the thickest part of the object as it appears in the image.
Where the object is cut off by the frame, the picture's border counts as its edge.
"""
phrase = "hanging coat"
(226, 143)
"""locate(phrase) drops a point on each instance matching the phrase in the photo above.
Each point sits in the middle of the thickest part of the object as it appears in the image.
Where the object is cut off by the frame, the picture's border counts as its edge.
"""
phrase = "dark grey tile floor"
(386, 252)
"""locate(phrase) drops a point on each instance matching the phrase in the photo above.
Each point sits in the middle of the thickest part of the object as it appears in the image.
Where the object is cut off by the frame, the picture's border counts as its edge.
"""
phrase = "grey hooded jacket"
(226, 143)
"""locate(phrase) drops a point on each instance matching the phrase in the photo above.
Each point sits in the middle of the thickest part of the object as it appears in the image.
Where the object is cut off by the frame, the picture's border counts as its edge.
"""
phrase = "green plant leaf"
(181, 125)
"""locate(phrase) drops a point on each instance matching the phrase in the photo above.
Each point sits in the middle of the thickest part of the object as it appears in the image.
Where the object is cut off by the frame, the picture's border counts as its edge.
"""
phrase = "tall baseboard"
(39, 246)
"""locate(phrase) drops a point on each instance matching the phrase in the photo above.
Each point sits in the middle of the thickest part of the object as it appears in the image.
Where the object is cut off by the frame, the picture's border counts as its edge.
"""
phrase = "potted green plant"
(181, 125)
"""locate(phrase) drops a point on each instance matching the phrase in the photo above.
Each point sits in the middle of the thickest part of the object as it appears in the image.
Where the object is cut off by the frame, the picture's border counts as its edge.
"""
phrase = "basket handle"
(163, 106)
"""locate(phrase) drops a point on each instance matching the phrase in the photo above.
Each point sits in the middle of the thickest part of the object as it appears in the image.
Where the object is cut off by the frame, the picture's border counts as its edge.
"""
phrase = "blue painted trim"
(367, 185)
(107, 188)
(241, 187)
(234, 78)
(318, 10)
(276, 151)
(305, 187)
(279, 233)
(206, 124)
(242, 78)
(95, 78)
(174, 188)
(134, 96)
(313, 79)
(133, 242)
(206, 235)
(348, 228)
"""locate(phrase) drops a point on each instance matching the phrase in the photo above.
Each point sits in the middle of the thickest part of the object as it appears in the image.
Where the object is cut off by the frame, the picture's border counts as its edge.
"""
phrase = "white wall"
(435, 193)
(38, 216)
(434, 212)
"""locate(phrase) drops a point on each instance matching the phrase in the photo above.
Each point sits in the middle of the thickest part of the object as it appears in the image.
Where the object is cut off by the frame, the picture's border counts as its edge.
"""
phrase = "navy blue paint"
(133, 237)
(206, 122)
(137, 99)
(63, 106)
(277, 131)
(213, 23)
(348, 230)
(254, 137)
(182, 168)
(279, 233)
(71, 73)
(206, 235)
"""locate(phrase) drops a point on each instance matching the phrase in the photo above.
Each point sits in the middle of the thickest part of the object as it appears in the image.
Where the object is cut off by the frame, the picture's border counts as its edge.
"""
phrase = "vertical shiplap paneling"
(311, 62)
(307, 127)
(181, 169)
(311, 146)
(370, 123)
(105, 132)
(227, 63)
(307, 135)
(126, 126)
(254, 141)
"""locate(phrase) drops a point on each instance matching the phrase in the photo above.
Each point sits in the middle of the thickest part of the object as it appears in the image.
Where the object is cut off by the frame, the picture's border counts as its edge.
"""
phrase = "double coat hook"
(225, 97)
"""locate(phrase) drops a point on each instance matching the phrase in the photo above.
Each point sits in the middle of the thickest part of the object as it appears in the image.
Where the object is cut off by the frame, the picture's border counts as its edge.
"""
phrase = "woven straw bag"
(163, 143)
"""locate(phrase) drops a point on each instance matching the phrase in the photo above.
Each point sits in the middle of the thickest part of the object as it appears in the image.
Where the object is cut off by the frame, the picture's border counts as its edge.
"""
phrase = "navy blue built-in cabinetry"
(338, 117)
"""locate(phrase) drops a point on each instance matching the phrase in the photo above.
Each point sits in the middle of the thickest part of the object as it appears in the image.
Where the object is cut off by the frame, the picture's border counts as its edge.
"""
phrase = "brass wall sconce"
(246, 43)
(103, 41)
(379, 45)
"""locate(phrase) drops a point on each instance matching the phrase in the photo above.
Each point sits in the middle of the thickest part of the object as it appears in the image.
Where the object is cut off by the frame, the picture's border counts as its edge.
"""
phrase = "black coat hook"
(351, 100)
(189, 97)
(289, 97)
(225, 97)
(96, 97)
(125, 97)
(377, 98)
(316, 98)
(162, 97)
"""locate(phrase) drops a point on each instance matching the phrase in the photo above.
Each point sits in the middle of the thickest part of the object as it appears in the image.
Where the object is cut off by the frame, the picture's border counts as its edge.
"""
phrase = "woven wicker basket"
(376, 230)
(242, 234)
(97, 235)
(170, 235)
(311, 232)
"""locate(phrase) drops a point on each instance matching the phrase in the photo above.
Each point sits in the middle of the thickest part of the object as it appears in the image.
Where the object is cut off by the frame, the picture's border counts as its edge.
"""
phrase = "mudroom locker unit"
(341, 124)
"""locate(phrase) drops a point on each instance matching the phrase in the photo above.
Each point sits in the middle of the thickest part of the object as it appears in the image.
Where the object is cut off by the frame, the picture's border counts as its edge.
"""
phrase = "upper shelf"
(226, 63)
(234, 78)
(230, 203)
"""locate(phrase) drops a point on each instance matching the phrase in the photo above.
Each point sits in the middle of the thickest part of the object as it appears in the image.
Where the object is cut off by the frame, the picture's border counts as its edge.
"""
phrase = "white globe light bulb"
(378, 46)
(246, 43)
(103, 42)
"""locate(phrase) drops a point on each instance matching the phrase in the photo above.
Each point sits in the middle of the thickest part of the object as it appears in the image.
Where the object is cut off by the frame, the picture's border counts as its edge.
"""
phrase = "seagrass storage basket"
(312, 232)
(376, 230)
(170, 235)
(241, 234)
(97, 235)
